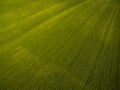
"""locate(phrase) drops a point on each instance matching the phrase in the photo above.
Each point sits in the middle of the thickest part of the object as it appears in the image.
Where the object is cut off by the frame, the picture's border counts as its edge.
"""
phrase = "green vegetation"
(59, 44)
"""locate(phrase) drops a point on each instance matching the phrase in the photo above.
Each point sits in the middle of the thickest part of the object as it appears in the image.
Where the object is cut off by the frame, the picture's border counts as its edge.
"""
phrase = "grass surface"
(59, 44)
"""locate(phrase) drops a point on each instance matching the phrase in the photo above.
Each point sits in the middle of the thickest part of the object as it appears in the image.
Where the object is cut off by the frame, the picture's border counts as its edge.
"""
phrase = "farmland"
(59, 44)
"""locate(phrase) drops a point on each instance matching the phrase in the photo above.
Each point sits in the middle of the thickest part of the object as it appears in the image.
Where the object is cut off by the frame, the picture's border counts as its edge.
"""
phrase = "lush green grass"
(59, 45)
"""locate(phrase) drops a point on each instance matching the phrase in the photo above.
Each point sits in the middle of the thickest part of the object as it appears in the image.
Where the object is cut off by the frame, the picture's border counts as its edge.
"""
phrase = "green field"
(59, 44)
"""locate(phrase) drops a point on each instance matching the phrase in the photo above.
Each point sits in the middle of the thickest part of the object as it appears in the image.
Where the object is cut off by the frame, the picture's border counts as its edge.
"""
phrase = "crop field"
(59, 44)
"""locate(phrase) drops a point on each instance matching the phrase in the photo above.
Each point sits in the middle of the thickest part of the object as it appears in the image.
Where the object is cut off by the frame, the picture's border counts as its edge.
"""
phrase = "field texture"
(59, 44)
